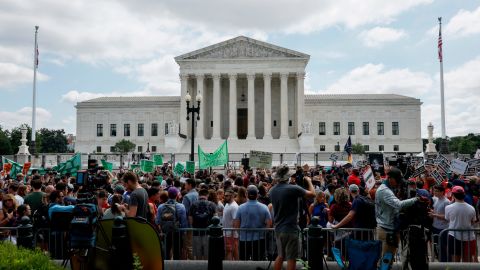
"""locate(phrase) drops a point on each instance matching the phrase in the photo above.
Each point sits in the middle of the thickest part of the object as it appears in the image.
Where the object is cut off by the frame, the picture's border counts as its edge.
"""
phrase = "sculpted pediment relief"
(242, 47)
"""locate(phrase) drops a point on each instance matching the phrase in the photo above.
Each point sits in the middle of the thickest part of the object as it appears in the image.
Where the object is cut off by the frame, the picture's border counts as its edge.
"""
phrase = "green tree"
(124, 146)
(5, 145)
(466, 146)
(53, 140)
(358, 149)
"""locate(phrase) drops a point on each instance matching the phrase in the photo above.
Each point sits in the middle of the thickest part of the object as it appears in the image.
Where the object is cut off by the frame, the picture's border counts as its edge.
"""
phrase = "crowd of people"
(285, 199)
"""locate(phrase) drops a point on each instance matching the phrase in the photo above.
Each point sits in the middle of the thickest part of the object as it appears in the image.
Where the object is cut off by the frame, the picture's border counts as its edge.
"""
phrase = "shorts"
(288, 245)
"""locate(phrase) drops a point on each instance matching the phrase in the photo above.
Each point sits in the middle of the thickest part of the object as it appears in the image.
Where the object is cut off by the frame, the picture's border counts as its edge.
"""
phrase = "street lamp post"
(193, 110)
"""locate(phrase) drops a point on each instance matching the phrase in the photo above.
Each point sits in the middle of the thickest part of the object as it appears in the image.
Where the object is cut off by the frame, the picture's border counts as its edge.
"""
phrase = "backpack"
(40, 217)
(168, 215)
(202, 215)
(367, 212)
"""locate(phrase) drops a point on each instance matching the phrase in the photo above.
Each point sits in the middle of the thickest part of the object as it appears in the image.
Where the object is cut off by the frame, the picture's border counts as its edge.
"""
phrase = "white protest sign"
(369, 178)
(458, 166)
(260, 159)
(477, 154)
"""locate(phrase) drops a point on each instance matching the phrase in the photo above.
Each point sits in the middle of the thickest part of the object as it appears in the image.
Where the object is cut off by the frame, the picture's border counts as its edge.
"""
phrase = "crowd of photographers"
(245, 199)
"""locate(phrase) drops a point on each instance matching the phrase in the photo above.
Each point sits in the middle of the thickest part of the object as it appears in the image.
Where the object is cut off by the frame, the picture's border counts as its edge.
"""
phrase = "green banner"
(14, 169)
(179, 169)
(147, 165)
(70, 166)
(107, 165)
(217, 158)
(158, 160)
(190, 167)
(134, 166)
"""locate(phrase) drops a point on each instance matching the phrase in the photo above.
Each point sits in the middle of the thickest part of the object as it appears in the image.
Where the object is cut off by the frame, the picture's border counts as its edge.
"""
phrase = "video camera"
(94, 178)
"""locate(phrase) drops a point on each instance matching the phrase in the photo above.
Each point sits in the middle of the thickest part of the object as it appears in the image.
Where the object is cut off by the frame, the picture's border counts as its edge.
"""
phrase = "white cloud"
(375, 79)
(11, 74)
(377, 36)
(464, 23)
(74, 96)
(24, 116)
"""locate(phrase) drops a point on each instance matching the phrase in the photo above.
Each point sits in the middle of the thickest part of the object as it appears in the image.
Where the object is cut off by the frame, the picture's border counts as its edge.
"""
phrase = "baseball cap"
(172, 192)
(252, 190)
(353, 188)
(458, 190)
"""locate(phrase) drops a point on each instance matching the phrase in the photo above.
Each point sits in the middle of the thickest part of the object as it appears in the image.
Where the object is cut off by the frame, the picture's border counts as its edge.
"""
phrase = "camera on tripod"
(92, 179)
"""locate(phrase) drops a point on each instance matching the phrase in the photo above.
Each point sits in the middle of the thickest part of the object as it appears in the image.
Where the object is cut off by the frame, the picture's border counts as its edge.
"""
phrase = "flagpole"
(34, 105)
(443, 145)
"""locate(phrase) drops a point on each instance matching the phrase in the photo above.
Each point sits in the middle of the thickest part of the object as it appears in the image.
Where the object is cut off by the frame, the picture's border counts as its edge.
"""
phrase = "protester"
(138, 204)
(229, 214)
(35, 198)
(199, 217)
(439, 221)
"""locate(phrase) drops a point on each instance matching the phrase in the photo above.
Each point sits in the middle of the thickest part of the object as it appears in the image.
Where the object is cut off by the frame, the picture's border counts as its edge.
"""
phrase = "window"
(154, 148)
(113, 130)
(396, 148)
(211, 123)
(99, 149)
(336, 128)
(154, 129)
(274, 123)
(380, 128)
(126, 130)
(289, 123)
(166, 128)
(140, 149)
(99, 130)
(322, 148)
(395, 128)
(113, 149)
(351, 128)
(366, 148)
(321, 128)
(381, 148)
(337, 147)
(366, 128)
(140, 130)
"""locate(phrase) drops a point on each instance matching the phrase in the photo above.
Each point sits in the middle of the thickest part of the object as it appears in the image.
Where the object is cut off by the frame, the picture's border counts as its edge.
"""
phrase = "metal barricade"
(458, 245)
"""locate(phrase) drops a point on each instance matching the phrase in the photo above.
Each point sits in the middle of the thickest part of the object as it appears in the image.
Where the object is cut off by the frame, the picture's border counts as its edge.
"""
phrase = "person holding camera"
(387, 208)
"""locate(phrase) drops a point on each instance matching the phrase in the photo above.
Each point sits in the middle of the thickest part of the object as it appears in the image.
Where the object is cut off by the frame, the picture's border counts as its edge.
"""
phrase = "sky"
(89, 49)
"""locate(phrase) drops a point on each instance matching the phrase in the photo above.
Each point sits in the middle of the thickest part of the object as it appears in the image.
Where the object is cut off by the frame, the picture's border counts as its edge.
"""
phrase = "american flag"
(440, 57)
(36, 57)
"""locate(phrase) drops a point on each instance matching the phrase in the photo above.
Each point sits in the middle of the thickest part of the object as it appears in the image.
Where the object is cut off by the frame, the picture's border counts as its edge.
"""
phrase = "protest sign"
(190, 167)
(458, 166)
(419, 171)
(436, 175)
(158, 160)
(146, 165)
(477, 154)
(369, 178)
(134, 166)
(471, 171)
(259, 159)
(217, 158)
(179, 169)
(376, 161)
(333, 157)
(107, 165)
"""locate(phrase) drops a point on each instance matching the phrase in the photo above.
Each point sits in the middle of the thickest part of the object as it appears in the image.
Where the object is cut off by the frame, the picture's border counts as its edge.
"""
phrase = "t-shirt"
(252, 214)
(19, 199)
(34, 199)
(340, 210)
(285, 199)
(439, 208)
(229, 213)
(460, 216)
(139, 198)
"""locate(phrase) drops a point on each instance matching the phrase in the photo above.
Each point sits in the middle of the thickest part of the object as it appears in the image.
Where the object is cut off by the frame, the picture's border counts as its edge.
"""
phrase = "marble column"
(183, 104)
(300, 100)
(284, 106)
(233, 106)
(251, 106)
(216, 106)
(267, 82)
(200, 131)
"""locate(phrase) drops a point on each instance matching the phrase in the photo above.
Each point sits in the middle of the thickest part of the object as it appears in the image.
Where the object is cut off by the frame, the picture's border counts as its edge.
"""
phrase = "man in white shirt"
(439, 221)
(229, 213)
(461, 216)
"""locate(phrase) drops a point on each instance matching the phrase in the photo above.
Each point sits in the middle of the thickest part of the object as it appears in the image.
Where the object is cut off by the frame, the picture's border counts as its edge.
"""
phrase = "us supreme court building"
(252, 94)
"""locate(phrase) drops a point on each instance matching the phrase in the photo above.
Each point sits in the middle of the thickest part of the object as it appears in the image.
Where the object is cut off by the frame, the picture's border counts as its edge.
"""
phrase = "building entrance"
(242, 123)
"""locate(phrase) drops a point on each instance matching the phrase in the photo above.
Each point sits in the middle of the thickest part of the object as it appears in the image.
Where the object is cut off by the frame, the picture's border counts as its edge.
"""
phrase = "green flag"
(13, 168)
(179, 169)
(71, 166)
(107, 165)
(134, 166)
(158, 159)
(217, 158)
(147, 165)
(190, 168)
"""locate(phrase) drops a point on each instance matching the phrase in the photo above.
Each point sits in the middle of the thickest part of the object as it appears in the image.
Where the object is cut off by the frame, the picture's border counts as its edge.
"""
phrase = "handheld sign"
(179, 169)
(458, 166)
(190, 168)
(333, 157)
(438, 178)
(259, 159)
(369, 178)
(158, 160)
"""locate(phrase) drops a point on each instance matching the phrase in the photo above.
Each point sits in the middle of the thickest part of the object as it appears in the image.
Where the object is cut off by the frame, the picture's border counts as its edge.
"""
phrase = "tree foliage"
(358, 149)
(53, 140)
(5, 145)
(124, 146)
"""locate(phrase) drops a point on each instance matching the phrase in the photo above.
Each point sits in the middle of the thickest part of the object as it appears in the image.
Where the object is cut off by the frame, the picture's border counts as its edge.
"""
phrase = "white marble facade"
(252, 95)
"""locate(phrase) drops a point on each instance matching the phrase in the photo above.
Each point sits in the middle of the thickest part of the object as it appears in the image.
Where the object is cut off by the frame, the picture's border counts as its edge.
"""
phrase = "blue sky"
(100, 48)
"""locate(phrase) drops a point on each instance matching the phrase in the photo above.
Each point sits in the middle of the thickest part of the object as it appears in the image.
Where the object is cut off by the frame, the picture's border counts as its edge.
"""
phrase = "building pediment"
(242, 48)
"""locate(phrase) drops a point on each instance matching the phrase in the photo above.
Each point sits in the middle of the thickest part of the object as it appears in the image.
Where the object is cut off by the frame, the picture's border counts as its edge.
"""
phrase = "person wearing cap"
(440, 202)
(461, 216)
(286, 203)
(252, 215)
(173, 239)
(387, 208)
